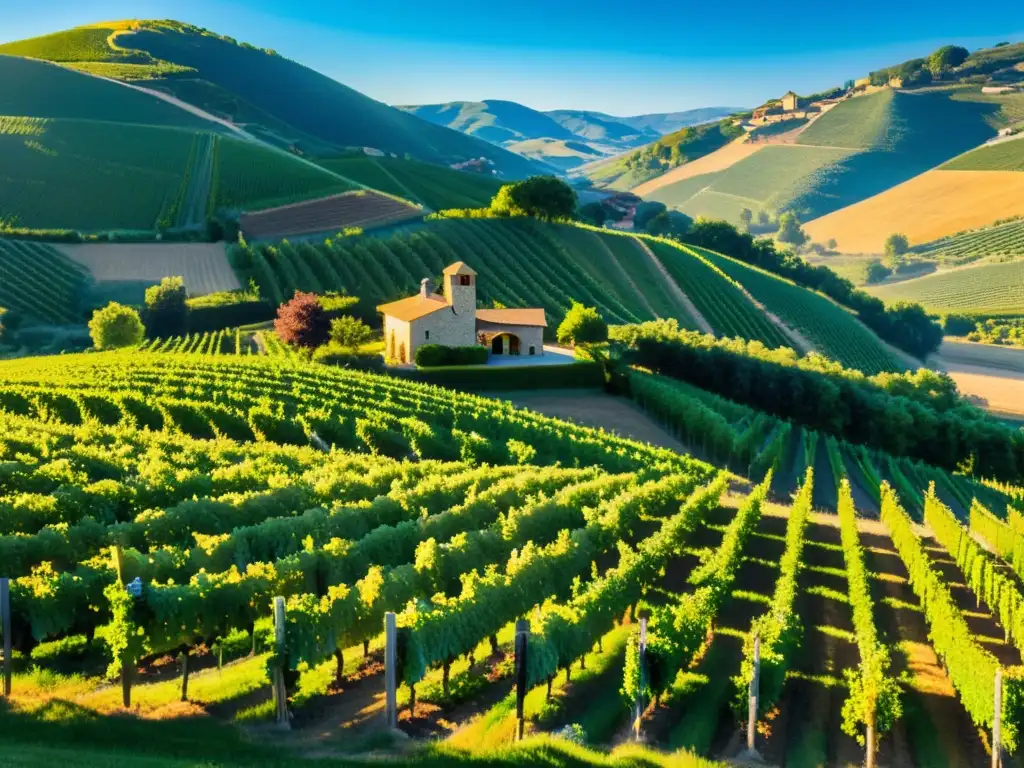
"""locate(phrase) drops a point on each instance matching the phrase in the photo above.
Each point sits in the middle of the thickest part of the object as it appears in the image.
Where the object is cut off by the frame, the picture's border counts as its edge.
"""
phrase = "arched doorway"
(505, 344)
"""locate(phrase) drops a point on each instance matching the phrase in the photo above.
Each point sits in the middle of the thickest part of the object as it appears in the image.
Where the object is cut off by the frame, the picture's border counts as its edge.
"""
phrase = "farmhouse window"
(465, 280)
(533, 350)
(426, 335)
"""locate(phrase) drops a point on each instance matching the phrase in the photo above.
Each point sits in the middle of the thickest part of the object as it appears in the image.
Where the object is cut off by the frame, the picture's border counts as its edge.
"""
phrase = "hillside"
(525, 263)
(982, 289)
(861, 148)
(928, 207)
(496, 121)
(308, 102)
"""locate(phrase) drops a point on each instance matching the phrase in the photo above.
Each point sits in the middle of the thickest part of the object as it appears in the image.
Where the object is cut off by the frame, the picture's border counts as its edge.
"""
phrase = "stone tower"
(460, 289)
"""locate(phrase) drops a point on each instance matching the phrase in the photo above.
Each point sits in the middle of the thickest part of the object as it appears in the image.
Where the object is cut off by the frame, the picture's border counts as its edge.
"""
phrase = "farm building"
(452, 319)
(790, 102)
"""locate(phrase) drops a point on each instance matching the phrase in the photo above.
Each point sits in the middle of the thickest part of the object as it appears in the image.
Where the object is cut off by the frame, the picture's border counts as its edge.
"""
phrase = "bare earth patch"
(992, 376)
(718, 160)
(596, 409)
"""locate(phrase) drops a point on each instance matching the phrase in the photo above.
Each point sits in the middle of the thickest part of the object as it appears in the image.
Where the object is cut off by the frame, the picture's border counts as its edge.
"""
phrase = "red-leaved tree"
(303, 321)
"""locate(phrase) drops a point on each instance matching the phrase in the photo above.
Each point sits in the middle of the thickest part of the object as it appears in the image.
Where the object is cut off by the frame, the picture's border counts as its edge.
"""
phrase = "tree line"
(917, 415)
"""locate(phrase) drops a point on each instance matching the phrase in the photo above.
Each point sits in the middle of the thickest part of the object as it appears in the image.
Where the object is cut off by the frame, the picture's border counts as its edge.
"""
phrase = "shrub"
(303, 321)
(543, 197)
(435, 355)
(167, 308)
(582, 325)
(349, 333)
(332, 354)
(789, 229)
(958, 325)
(116, 326)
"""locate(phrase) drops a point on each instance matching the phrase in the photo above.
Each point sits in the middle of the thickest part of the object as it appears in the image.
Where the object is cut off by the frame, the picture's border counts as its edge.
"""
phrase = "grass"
(996, 288)
(31, 88)
(248, 175)
(859, 123)
(1004, 156)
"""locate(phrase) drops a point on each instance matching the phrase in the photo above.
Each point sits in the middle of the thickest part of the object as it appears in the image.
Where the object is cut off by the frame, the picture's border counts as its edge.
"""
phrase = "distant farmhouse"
(452, 319)
(787, 108)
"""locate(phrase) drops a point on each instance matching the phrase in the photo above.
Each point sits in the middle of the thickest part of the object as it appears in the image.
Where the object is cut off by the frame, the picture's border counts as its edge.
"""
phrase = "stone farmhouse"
(451, 319)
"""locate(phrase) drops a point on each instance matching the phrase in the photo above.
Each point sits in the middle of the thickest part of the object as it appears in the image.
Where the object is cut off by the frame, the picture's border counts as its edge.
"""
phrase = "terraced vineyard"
(1000, 240)
(213, 481)
(986, 288)
(833, 331)
(433, 186)
(39, 282)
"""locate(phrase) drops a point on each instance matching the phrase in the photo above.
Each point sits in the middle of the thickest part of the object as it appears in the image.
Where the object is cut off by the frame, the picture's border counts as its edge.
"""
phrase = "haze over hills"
(563, 138)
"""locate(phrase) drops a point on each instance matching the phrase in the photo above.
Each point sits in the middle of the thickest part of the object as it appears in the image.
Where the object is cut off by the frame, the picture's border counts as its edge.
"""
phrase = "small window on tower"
(465, 280)
(427, 335)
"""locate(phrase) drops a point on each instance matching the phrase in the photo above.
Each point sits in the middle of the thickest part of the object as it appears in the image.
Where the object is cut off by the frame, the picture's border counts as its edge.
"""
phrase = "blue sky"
(614, 56)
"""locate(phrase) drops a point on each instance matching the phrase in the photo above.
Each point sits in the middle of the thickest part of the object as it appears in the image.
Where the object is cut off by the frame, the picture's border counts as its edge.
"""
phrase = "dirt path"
(684, 301)
(593, 408)
(815, 691)
(197, 196)
(801, 342)
(623, 274)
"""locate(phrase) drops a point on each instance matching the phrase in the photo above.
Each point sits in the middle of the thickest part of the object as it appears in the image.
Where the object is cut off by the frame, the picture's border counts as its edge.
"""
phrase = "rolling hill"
(988, 288)
(861, 148)
(305, 101)
(563, 138)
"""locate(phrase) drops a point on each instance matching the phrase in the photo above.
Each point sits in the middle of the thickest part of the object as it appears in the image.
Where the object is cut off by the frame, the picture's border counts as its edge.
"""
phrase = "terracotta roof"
(414, 307)
(458, 268)
(531, 316)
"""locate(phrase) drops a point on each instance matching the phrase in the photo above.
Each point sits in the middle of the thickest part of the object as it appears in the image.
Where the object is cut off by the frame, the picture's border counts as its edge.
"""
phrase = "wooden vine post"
(280, 648)
(184, 674)
(522, 643)
(391, 669)
(5, 618)
(870, 745)
(638, 707)
(997, 721)
(755, 683)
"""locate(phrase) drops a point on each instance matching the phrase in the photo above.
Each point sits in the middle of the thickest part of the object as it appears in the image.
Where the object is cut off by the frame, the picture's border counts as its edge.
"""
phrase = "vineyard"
(834, 331)
(432, 186)
(217, 484)
(996, 288)
(521, 262)
(364, 209)
(1003, 156)
(1005, 241)
(39, 282)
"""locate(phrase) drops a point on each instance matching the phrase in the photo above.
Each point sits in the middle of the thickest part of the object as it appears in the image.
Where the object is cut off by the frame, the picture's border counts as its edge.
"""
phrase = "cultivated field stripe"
(624, 274)
(684, 301)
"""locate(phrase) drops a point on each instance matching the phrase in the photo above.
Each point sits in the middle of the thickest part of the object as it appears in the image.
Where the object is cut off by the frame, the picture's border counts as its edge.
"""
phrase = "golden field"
(932, 205)
(718, 160)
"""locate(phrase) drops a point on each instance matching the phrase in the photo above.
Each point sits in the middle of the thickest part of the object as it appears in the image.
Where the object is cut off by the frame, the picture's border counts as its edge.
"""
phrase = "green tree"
(116, 326)
(669, 224)
(789, 229)
(896, 245)
(350, 332)
(831, 244)
(594, 213)
(763, 219)
(543, 197)
(947, 57)
(582, 325)
(167, 308)
(746, 218)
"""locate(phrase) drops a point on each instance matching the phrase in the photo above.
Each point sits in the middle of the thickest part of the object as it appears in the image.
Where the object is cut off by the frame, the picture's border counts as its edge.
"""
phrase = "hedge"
(215, 317)
(433, 355)
(573, 375)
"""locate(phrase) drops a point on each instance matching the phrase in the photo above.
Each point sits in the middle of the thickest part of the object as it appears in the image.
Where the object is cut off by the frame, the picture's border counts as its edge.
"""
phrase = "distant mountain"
(496, 121)
(670, 122)
(278, 99)
(562, 138)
